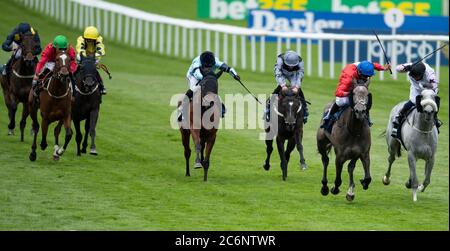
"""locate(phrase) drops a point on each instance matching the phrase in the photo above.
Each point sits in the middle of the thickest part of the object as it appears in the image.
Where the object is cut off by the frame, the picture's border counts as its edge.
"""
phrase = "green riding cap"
(60, 42)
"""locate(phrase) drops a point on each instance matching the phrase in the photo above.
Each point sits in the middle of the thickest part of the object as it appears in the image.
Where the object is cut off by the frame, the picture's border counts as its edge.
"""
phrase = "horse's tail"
(399, 151)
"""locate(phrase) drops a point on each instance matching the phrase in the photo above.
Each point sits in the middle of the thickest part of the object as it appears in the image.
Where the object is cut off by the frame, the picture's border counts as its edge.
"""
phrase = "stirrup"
(394, 133)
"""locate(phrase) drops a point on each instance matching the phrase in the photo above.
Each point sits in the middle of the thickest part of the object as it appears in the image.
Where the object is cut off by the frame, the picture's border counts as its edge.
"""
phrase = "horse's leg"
(365, 159)
(281, 153)
(269, 149)
(44, 133)
(351, 187)
(209, 147)
(322, 144)
(92, 132)
(428, 169)
(12, 109)
(78, 135)
(202, 152)
(412, 182)
(298, 141)
(185, 134)
(87, 125)
(289, 148)
(67, 126)
(196, 138)
(338, 180)
(35, 127)
(393, 149)
(23, 121)
(56, 132)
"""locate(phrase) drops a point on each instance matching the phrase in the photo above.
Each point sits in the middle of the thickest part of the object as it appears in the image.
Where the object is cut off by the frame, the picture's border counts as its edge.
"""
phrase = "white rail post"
(153, 36)
(320, 57)
(233, 50)
(208, 40)
(169, 39)
(139, 34)
(199, 41)
(146, 35)
(161, 38)
(243, 52)
(279, 42)
(369, 51)
(191, 43)
(80, 16)
(225, 47)
(299, 46)
(113, 25)
(133, 32)
(86, 17)
(309, 59)
(105, 23)
(332, 58)
(217, 43)
(69, 14)
(288, 43)
(75, 15)
(263, 53)
(97, 19)
(127, 30)
(119, 27)
(356, 50)
(57, 7)
(344, 53)
(177, 41)
(91, 15)
(184, 43)
(253, 42)
(438, 61)
(394, 57)
(52, 8)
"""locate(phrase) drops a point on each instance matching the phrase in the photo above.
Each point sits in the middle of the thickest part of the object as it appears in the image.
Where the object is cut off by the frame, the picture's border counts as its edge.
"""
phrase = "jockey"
(289, 66)
(47, 62)
(359, 72)
(206, 61)
(13, 41)
(91, 44)
(421, 76)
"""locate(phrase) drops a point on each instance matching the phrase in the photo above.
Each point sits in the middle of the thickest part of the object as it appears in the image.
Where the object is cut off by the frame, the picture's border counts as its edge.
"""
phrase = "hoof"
(365, 183)
(421, 188)
(304, 166)
(350, 197)
(408, 184)
(55, 157)
(10, 132)
(284, 178)
(266, 167)
(83, 150)
(386, 180)
(43, 146)
(335, 190)
(93, 152)
(33, 156)
(78, 153)
(325, 190)
(188, 175)
(198, 165)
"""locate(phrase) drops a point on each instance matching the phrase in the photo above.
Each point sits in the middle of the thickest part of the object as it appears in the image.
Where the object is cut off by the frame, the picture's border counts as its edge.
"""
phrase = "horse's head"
(62, 64)
(88, 71)
(360, 101)
(426, 104)
(289, 107)
(28, 46)
(209, 83)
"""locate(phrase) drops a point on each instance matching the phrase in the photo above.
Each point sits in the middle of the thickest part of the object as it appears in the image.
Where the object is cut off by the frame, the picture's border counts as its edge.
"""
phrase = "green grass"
(137, 182)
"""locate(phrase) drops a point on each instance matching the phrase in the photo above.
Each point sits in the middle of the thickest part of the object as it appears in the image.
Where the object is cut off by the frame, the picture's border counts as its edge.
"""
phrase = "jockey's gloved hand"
(407, 67)
(234, 73)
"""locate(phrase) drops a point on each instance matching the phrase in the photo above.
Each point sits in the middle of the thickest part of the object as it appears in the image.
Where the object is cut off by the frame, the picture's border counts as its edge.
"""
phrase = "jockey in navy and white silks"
(205, 62)
(421, 76)
(289, 67)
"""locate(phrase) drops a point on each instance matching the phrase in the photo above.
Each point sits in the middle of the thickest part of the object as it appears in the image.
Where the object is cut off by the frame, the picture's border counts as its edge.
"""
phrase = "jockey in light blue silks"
(204, 63)
(421, 76)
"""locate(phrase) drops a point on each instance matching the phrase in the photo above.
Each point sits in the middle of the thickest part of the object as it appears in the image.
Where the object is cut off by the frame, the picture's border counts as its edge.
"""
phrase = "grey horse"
(420, 137)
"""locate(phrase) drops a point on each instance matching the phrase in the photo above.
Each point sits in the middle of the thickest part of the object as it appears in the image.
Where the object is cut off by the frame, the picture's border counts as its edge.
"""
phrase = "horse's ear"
(418, 105)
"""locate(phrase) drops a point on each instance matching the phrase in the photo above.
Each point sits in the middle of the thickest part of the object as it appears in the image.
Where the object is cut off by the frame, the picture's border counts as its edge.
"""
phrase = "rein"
(105, 69)
(69, 89)
(86, 93)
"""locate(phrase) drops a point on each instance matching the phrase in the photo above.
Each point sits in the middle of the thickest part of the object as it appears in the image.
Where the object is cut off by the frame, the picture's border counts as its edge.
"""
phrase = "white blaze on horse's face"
(63, 58)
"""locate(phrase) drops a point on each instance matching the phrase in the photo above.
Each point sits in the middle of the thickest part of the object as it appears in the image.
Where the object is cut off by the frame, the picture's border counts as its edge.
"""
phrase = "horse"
(290, 128)
(86, 105)
(204, 128)
(54, 104)
(17, 85)
(419, 136)
(351, 140)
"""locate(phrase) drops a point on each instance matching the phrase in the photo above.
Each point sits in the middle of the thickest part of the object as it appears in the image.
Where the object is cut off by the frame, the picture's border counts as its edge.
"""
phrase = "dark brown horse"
(17, 85)
(87, 103)
(350, 138)
(289, 117)
(55, 105)
(203, 122)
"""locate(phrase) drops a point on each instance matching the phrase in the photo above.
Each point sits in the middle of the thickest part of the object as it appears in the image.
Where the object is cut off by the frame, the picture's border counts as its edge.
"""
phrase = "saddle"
(335, 117)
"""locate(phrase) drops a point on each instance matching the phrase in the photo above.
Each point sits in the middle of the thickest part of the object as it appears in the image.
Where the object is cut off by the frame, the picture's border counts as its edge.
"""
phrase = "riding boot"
(101, 85)
(190, 94)
(369, 120)
(398, 120)
(438, 122)
(35, 88)
(305, 106)
(7, 67)
(224, 110)
(326, 120)
(276, 91)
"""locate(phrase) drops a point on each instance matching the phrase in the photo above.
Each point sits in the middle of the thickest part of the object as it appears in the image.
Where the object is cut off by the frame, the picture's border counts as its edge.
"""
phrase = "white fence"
(187, 38)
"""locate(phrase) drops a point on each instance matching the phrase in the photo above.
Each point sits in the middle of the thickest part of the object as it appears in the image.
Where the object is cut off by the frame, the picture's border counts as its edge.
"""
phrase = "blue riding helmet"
(24, 27)
(365, 68)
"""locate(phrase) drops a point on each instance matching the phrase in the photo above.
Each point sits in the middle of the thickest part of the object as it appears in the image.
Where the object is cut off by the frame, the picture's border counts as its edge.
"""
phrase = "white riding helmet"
(291, 58)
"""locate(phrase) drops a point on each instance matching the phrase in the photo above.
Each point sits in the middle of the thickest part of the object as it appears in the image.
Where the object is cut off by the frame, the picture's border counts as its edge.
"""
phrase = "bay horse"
(289, 127)
(87, 103)
(54, 104)
(17, 85)
(351, 140)
(419, 136)
(203, 122)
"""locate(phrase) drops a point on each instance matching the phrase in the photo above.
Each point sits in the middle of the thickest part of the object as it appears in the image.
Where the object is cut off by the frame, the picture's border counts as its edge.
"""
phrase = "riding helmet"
(291, 58)
(207, 59)
(91, 33)
(60, 42)
(24, 27)
(365, 68)
(417, 71)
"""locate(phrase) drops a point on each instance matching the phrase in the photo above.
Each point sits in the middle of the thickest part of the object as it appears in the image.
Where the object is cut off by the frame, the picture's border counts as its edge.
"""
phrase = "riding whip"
(384, 52)
(248, 90)
(105, 69)
(429, 54)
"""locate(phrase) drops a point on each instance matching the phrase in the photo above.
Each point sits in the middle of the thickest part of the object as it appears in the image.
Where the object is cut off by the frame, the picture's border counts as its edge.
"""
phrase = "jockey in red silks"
(359, 72)
(48, 56)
